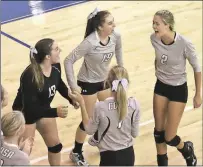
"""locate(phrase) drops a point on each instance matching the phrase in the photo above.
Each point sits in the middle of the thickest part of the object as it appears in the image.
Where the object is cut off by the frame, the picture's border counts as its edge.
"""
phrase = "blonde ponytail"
(118, 81)
(121, 100)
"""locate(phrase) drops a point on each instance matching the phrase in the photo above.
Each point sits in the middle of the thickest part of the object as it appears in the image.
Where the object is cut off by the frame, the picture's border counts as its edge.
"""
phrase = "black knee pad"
(56, 149)
(82, 126)
(159, 136)
(174, 142)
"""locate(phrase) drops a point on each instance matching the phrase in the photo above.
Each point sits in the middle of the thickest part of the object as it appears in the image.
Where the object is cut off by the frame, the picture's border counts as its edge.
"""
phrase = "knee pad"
(55, 149)
(159, 136)
(82, 126)
(174, 142)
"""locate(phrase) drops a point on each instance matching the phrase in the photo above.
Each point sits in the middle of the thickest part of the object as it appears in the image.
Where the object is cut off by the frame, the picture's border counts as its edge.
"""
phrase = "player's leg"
(47, 127)
(176, 107)
(90, 97)
(160, 105)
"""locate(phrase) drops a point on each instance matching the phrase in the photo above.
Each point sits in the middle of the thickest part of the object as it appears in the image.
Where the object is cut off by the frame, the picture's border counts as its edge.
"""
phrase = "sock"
(78, 147)
(162, 159)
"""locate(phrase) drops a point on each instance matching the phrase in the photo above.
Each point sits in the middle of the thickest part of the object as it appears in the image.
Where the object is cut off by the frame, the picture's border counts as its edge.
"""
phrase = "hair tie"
(93, 14)
(33, 51)
(123, 82)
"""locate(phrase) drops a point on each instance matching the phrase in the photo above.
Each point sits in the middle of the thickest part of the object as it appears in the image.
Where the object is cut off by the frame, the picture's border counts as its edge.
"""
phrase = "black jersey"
(35, 103)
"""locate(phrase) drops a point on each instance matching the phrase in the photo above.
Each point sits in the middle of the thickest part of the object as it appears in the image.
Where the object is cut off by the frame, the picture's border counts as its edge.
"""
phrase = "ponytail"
(36, 69)
(90, 27)
(121, 100)
(120, 86)
(37, 55)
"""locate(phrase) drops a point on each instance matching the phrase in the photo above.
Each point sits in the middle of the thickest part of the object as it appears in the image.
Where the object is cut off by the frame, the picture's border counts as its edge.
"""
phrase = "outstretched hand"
(76, 104)
(77, 97)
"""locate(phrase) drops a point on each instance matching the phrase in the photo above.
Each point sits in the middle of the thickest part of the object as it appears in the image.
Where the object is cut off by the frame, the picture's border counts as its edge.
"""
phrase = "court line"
(15, 39)
(189, 108)
(45, 11)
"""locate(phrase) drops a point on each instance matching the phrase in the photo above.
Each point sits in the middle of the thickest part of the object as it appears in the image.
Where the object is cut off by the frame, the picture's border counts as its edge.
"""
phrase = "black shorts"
(124, 157)
(173, 93)
(91, 88)
(30, 118)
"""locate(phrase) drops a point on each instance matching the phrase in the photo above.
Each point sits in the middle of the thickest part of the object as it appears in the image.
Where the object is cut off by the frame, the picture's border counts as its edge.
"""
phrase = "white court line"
(189, 108)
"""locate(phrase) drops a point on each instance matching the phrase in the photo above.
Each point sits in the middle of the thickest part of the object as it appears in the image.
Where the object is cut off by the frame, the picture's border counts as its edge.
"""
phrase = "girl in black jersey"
(38, 85)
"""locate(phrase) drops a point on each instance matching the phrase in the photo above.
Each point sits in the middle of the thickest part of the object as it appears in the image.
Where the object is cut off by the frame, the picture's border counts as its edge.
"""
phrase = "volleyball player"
(100, 43)
(38, 85)
(171, 92)
(116, 119)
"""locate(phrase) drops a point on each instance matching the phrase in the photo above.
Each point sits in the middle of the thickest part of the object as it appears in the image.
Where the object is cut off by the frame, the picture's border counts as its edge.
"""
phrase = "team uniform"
(115, 138)
(12, 156)
(170, 65)
(35, 103)
(97, 58)
(1, 137)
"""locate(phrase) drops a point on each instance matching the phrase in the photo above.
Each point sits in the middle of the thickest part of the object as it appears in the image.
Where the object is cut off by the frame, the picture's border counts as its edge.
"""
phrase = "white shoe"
(78, 159)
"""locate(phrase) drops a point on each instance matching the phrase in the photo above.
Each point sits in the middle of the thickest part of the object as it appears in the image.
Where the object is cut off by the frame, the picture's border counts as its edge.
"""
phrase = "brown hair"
(43, 48)
(96, 21)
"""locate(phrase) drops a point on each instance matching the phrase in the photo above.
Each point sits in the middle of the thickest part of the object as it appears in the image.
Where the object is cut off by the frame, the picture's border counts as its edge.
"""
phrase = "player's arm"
(62, 88)
(93, 123)
(17, 104)
(90, 124)
(75, 55)
(135, 121)
(118, 50)
(193, 60)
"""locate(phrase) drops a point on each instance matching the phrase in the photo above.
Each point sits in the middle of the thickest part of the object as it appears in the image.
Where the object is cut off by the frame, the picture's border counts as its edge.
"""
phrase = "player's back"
(12, 156)
(119, 135)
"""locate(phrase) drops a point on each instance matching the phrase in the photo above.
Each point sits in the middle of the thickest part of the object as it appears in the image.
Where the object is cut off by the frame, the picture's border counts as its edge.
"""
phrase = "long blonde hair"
(12, 122)
(118, 73)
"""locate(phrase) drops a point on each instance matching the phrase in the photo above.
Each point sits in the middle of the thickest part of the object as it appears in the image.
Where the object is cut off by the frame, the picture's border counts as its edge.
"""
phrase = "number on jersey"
(164, 59)
(52, 90)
